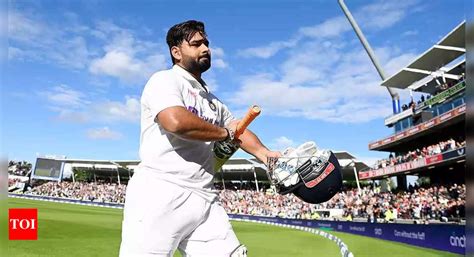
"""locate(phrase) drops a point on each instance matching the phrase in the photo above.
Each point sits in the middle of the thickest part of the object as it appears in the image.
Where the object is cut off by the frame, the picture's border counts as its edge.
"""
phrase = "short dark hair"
(183, 31)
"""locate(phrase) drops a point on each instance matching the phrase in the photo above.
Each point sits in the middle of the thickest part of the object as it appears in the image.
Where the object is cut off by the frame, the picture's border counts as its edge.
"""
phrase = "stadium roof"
(234, 169)
(428, 84)
(348, 162)
(448, 49)
(119, 163)
(238, 168)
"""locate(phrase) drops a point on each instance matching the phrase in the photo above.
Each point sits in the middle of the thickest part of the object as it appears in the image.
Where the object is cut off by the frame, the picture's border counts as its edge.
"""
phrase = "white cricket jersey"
(188, 163)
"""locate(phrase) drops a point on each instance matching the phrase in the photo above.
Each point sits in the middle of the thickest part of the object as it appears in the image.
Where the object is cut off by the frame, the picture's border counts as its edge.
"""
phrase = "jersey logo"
(212, 105)
(201, 115)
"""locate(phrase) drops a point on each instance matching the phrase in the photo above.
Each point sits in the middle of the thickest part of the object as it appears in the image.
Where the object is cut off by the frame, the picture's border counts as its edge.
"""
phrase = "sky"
(76, 69)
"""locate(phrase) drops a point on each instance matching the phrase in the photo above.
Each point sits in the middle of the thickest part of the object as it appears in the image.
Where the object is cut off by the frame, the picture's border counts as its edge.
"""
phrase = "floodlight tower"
(373, 58)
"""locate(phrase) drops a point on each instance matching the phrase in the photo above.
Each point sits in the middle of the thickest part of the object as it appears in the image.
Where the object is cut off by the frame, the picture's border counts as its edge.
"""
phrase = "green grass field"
(74, 230)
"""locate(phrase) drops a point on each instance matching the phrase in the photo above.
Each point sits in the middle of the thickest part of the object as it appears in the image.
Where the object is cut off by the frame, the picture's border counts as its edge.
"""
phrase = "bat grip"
(246, 120)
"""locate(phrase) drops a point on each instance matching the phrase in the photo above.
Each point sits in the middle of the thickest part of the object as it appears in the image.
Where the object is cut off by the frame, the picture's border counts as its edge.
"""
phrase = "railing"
(460, 110)
(437, 99)
(399, 116)
(412, 165)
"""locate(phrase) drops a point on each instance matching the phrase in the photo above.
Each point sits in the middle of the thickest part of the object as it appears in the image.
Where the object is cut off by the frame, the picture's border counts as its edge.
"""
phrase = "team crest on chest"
(212, 105)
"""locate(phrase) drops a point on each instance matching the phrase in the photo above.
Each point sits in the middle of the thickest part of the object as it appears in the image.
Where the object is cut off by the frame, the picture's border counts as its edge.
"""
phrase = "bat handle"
(246, 120)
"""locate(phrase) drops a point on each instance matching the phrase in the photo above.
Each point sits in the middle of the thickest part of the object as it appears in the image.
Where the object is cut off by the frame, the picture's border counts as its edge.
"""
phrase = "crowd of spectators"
(253, 202)
(416, 154)
(93, 192)
(13, 181)
(20, 168)
(412, 104)
(441, 203)
(428, 203)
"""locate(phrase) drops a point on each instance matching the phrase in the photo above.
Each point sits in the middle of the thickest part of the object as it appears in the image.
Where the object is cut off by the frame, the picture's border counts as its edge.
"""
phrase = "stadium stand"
(19, 168)
(18, 175)
(425, 151)
(419, 204)
(428, 140)
(94, 192)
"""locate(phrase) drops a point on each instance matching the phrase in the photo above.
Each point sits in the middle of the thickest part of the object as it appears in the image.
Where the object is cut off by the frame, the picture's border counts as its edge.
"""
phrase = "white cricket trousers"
(160, 217)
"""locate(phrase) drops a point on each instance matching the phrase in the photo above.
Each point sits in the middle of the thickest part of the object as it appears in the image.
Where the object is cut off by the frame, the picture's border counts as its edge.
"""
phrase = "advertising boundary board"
(444, 237)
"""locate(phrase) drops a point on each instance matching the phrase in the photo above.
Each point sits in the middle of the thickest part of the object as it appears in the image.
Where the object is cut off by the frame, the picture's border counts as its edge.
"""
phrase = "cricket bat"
(223, 150)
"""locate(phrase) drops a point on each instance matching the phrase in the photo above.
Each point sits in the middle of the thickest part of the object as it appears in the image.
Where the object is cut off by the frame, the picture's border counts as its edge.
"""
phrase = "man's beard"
(202, 65)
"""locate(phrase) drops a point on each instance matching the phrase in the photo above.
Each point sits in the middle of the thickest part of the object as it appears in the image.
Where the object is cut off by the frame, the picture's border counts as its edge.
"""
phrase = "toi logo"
(23, 224)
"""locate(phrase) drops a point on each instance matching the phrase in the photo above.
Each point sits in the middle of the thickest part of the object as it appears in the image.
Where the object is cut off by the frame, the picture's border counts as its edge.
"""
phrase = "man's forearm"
(181, 122)
(252, 145)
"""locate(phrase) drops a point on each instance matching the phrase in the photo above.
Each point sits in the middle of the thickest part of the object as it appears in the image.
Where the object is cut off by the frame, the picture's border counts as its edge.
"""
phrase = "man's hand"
(270, 154)
(233, 126)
